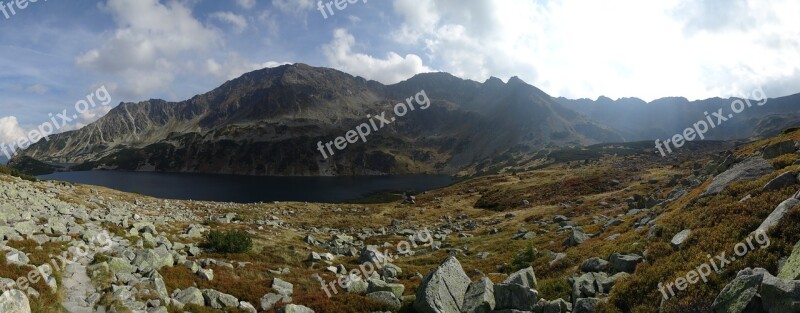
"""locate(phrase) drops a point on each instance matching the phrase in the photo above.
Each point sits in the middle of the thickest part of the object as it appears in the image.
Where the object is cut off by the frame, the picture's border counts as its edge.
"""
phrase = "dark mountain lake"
(248, 189)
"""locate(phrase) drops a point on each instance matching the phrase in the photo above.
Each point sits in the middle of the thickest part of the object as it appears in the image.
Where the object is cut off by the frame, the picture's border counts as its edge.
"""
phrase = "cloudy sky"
(56, 52)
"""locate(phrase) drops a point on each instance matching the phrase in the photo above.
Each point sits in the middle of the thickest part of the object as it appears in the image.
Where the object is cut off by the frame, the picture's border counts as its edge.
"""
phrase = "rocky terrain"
(597, 235)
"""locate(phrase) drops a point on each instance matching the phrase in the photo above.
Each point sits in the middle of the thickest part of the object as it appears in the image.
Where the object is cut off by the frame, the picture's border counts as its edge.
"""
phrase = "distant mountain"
(637, 120)
(3, 159)
(269, 122)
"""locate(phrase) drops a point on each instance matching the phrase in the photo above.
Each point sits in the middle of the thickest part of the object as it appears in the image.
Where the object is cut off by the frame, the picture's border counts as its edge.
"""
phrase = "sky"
(57, 52)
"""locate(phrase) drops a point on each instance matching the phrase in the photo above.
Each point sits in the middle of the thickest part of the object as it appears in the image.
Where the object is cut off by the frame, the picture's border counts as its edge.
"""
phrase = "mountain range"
(270, 121)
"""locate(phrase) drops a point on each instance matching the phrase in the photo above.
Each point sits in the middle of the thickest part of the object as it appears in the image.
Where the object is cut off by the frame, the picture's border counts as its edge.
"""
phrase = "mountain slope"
(268, 122)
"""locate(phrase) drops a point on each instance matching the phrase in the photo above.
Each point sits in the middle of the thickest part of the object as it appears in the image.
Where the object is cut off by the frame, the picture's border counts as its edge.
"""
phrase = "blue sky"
(58, 51)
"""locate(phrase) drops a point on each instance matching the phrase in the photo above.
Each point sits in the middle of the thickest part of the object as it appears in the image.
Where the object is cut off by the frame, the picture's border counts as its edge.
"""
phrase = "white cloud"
(234, 66)
(296, 7)
(247, 4)
(585, 48)
(38, 89)
(148, 47)
(238, 22)
(394, 68)
(10, 131)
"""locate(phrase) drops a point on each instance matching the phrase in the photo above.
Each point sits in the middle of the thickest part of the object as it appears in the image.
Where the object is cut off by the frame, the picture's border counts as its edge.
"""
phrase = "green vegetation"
(235, 241)
(13, 172)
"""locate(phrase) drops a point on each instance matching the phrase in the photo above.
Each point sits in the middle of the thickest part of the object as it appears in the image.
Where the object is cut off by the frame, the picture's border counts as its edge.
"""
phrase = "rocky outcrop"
(443, 289)
(747, 170)
(756, 290)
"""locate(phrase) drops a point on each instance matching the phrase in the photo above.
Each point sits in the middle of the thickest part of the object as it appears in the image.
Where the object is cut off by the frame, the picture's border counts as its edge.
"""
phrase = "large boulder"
(514, 297)
(748, 170)
(386, 297)
(778, 149)
(525, 277)
(190, 295)
(777, 215)
(293, 308)
(443, 289)
(594, 265)
(575, 238)
(783, 180)
(586, 305)
(739, 295)
(625, 263)
(791, 269)
(479, 297)
(218, 300)
(778, 295)
(14, 301)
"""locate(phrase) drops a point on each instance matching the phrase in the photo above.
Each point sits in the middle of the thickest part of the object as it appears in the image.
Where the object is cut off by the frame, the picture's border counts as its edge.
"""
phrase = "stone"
(781, 181)
(524, 277)
(479, 297)
(514, 297)
(207, 274)
(777, 215)
(282, 287)
(738, 295)
(268, 301)
(375, 285)
(190, 295)
(14, 301)
(778, 149)
(778, 295)
(749, 169)
(442, 290)
(293, 308)
(385, 297)
(575, 238)
(586, 305)
(371, 254)
(247, 307)
(625, 263)
(680, 238)
(791, 269)
(218, 300)
(594, 265)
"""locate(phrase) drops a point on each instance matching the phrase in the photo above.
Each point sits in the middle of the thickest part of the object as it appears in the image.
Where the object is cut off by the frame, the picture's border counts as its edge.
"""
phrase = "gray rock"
(791, 269)
(190, 295)
(739, 295)
(293, 308)
(575, 238)
(218, 300)
(247, 307)
(748, 170)
(777, 215)
(680, 238)
(442, 289)
(778, 295)
(515, 297)
(525, 277)
(783, 180)
(385, 297)
(586, 305)
(479, 297)
(625, 263)
(282, 287)
(268, 301)
(14, 301)
(594, 265)
(779, 149)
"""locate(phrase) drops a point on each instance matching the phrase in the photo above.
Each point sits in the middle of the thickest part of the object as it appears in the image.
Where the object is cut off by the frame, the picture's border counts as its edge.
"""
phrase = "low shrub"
(235, 241)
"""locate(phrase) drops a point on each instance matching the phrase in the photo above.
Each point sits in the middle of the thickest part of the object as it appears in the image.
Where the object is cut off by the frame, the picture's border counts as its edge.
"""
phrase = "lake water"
(249, 189)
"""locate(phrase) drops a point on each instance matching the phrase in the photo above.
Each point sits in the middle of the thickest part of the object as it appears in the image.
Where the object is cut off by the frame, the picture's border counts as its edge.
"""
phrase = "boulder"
(479, 297)
(749, 169)
(738, 296)
(575, 238)
(514, 297)
(783, 180)
(282, 287)
(525, 277)
(293, 308)
(218, 300)
(778, 295)
(268, 301)
(791, 269)
(442, 290)
(777, 215)
(386, 297)
(190, 295)
(680, 238)
(586, 305)
(778, 149)
(594, 265)
(625, 263)
(14, 301)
